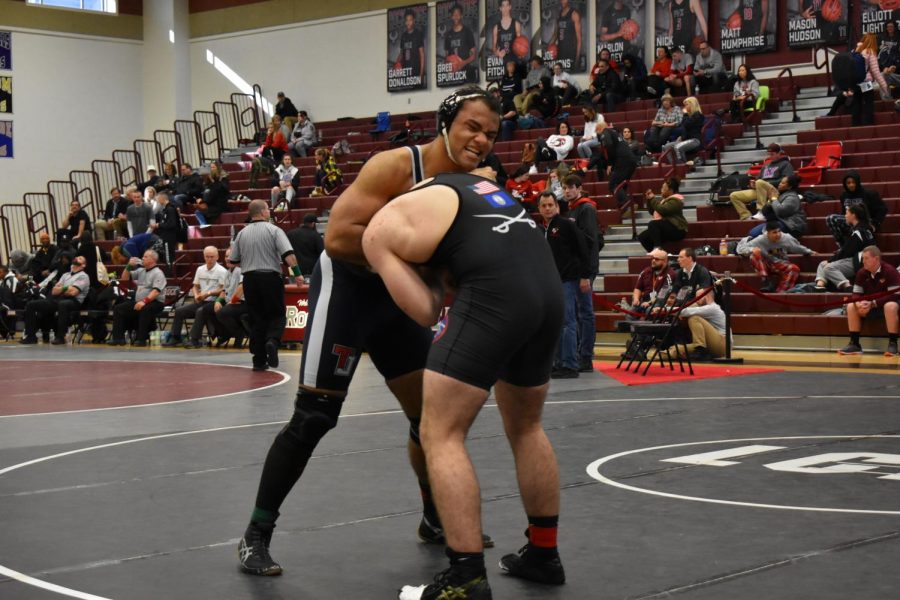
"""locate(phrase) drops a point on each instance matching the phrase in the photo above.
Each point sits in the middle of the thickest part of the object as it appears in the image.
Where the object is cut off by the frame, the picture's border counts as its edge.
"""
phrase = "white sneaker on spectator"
(759, 216)
(533, 170)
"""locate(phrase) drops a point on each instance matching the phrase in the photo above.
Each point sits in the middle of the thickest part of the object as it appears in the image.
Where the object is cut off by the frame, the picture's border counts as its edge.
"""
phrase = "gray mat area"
(160, 517)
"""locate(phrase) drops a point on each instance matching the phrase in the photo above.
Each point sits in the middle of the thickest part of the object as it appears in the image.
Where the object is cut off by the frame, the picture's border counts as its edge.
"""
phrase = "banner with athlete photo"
(812, 22)
(5, 50)
(682, 23)
(6, 139)
(747, 26)
(876, 14)
(564, 34)
(6, 95)
(507, 36)
(620, 27)
(456, 48)
(407, 48)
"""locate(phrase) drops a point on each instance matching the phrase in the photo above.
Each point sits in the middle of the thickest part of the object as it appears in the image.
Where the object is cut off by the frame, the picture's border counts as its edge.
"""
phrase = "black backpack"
(724, 185)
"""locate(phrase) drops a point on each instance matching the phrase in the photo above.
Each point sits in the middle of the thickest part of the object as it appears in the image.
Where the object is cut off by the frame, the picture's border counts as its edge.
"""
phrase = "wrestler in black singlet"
(508, 310)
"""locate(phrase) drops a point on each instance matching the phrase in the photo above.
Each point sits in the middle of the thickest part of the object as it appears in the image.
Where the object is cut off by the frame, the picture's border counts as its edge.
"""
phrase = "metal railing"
(790, 93)
(247, 117)
(130, 170)
(825, 63)
(170, 146)
(208, 128)
(87, 192)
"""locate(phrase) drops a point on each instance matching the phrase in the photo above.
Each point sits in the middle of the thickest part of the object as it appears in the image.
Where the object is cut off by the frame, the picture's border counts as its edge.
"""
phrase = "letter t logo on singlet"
(346, 358)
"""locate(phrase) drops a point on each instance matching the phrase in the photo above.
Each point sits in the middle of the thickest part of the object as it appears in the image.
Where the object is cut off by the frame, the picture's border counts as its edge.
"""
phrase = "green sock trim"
(261, 515)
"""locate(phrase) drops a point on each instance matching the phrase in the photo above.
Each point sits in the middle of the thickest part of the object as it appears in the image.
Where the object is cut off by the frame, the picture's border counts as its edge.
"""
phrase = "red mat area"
(41, 386)
(657, 374)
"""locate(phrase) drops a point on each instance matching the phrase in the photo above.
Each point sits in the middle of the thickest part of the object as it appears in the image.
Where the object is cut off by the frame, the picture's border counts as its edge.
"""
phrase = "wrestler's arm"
(384, 176)
(404, 234)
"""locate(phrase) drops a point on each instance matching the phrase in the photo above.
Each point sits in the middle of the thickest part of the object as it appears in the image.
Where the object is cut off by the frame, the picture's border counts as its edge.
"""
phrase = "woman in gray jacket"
(785, 210)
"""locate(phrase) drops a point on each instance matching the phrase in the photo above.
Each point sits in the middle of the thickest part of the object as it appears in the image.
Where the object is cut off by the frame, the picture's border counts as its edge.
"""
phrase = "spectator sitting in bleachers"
(532, 85)
(280, 125)
(113, 218)
(139, 215)
(288, 182)
(65, 252)
(786, 209)
(661, 69)
(76, 222)
(150, 198)
(43, 257)
(632, 143)
(667, 222)
(510, 86)
(606, 87)
(545, 103)
(633, 73)
(303, 137)
(889, 53)
(140, 313)
(763, 189)
(667, 118)
(874, 277)
(590, 138)
(520, 187)
(681, 74)
(152, 179)
(187, 187)
(565, 86)
(274, 146)
(285, 109)
(844, 263)
(328, 176)
(691, 126)
(554, 148)
(606, 55)
(216, 194)
(709, 69)
(167, 180)
(554, 181)
(691, 274)
(855, 193)
(862, 95)
(65, 299)
(230, 309)
(209, 281)
(744, 94)
(768, 255)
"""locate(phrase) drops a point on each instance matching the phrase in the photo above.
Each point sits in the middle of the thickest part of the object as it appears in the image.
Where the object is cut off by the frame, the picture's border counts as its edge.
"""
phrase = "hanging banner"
(747, 26)
(407, 52)
(620, 27)
(457, 52)
(6, 95)
(507, 35)
(6, 139)
(682, 23)
(564, 34)
(5, 51)
(812, 22)
(877, 13)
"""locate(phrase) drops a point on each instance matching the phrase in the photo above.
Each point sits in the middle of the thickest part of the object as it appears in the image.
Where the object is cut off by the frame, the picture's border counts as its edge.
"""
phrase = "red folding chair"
(828, 156)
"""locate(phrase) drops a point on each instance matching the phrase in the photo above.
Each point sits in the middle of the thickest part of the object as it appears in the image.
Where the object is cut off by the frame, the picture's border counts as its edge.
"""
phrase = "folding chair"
(382, 124)
(636, 345)
(828, 156)
(660, 336)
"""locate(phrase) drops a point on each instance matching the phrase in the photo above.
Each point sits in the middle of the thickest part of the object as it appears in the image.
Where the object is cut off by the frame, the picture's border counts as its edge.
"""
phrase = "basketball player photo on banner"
(876, 14)
(6, 139)
(682, 23)
(457, 52)
(564, 34)
(813, 22)
(5, 50)
(507, 36)
(620, 27)
(6, 95)
(407, 52)
(747, 26)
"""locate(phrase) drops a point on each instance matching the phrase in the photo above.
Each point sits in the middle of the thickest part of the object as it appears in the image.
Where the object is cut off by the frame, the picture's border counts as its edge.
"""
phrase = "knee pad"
(414, 431)
(314, 416)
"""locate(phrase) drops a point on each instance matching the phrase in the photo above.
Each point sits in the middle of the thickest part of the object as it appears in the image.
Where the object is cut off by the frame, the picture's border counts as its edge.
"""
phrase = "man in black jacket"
(855, 193)
(188, 186)
(606, 88)
(583, 211)
(307, 244)
(570, 253)
(113, 216)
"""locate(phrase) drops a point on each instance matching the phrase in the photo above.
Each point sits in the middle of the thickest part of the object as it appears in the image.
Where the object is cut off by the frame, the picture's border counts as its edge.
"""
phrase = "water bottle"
(723, 246)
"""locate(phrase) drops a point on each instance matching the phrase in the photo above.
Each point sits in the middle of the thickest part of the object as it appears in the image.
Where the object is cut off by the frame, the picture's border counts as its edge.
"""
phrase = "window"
(107, 6)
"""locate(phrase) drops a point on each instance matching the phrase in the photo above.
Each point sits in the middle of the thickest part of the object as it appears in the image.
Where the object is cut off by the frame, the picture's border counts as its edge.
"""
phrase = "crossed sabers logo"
(507, 221)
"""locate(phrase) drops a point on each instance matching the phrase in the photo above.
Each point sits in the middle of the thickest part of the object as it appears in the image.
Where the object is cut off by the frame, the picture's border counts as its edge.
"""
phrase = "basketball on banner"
(507, 35)
(407, 39)
(620, 26)
(875, 16)
(812, 22)
(750, 26)
(456, 49)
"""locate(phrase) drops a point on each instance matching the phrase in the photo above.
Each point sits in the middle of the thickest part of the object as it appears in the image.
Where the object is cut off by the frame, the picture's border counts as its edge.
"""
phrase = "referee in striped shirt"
(259, 248)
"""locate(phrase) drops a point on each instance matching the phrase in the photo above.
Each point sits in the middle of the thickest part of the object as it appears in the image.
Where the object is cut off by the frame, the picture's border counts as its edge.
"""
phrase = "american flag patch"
(484, 188)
